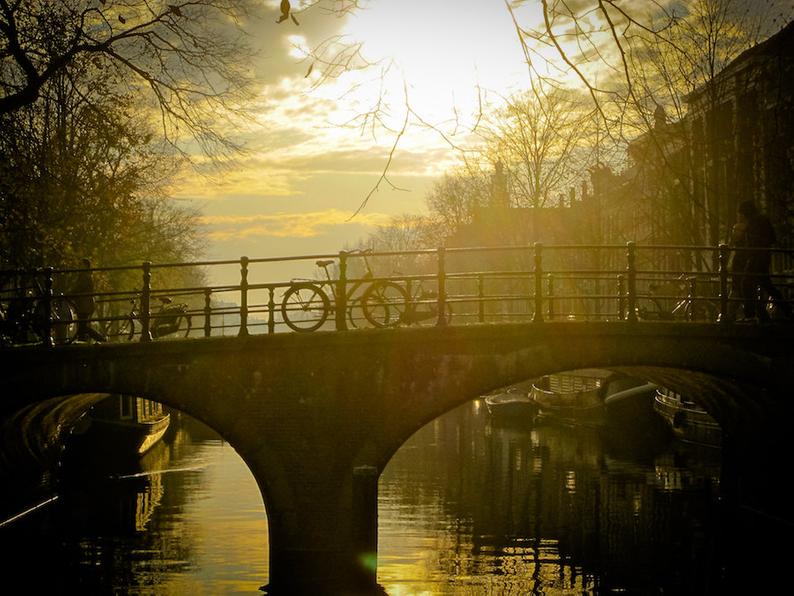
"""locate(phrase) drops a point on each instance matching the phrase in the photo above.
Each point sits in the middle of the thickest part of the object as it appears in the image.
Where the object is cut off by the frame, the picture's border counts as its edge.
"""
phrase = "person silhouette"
(754, 231)
(85, 303)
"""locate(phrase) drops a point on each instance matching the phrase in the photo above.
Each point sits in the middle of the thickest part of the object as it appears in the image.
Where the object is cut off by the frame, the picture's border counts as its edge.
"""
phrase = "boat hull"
(507, 407)
(688, 423)
(127, 437)
(123, 426)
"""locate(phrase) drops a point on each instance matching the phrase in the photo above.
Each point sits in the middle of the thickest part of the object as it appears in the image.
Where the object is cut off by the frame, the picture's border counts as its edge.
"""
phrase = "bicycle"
(306, 306)
(388, 304)
(23, 315)
(669, 305)
(167, 320)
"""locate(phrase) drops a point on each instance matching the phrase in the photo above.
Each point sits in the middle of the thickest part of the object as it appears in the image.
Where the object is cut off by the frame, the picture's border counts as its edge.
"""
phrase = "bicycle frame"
(26, 319)
(162, 322)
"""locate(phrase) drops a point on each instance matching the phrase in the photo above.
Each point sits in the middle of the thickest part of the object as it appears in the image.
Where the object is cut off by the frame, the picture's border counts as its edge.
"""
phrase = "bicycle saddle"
(322, 263)
(165, 299)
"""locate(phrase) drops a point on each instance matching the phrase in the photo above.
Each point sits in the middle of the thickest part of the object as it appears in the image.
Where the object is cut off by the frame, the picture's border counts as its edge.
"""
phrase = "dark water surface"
(466, 507)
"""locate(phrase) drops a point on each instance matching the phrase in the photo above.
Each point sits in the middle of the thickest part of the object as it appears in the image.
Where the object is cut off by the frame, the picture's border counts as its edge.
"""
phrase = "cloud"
(283, 225)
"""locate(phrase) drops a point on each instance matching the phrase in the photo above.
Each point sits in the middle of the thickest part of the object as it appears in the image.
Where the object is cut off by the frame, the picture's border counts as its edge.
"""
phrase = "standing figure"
(84, 303)
(753, 230)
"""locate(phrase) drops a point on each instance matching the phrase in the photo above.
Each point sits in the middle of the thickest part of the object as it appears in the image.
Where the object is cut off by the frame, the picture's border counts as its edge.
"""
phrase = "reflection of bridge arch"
(305, 411)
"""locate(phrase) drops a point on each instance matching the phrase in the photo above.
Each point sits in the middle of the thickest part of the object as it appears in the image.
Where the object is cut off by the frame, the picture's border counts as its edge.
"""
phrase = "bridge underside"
(317, 417)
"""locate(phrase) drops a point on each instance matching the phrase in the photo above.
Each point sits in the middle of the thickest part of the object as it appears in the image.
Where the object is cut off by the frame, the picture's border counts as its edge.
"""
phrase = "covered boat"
(124, 424)
(588, 396)
(688, 421)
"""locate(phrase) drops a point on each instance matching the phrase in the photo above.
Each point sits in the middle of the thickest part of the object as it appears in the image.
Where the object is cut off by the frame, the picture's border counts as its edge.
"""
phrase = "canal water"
(467, 506)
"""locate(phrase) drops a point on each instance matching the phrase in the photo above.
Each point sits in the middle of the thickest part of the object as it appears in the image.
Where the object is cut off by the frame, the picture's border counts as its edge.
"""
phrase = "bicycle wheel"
(425, 314)
(127, 328)
(355, 315)
(701, 309)
(384, 304)
(64, 320)
(305, 307)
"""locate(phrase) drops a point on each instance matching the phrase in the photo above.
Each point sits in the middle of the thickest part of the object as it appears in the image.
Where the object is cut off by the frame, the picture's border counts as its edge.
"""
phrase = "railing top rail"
(639, 248)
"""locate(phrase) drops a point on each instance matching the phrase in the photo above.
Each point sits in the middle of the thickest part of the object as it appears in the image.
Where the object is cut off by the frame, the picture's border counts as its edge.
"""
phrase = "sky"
(308, 164)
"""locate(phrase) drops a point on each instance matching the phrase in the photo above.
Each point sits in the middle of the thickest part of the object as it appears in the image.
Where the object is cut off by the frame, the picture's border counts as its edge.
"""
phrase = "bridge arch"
(306, 411)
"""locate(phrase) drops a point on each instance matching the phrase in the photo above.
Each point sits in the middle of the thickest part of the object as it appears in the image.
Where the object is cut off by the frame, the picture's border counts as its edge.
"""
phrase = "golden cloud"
(283, 225)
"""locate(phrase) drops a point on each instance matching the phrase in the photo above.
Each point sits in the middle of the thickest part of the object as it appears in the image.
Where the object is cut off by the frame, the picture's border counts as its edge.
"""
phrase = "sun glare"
(444, 51)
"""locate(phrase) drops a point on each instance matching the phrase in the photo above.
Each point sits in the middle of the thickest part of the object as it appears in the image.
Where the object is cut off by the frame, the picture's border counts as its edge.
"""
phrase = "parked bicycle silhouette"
(166, 320)
(677, 300)
(391, 303)
(23, 314)
(307, 304)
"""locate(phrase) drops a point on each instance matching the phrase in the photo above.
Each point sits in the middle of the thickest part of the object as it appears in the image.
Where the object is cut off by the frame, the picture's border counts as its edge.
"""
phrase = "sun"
(445, 54)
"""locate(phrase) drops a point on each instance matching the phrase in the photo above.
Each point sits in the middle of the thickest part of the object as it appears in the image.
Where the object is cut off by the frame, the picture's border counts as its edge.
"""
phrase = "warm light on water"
(465, 507)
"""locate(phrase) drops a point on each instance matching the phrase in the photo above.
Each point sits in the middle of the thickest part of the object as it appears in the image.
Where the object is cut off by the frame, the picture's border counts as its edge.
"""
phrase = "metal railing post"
(631, 276)
(271, 310)
(621, 297)
(442, 287)
(341, 294)
(243, 297)
(722, 261)
(207, 312)
(146, 298)
(48, 294)
(481, 298)
(538, 316)
(692, 297)
(550, 295)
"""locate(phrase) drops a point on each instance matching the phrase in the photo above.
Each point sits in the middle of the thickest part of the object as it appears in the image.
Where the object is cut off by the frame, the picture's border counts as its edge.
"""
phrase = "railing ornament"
(207, 312)
(631, 276)
(538, 316)
(271, 310)
(146, 300)
(243, 297)
(481, 298)
(341, 293)
(692, 286)
(722, 261)
(48, 295)
(442, 287)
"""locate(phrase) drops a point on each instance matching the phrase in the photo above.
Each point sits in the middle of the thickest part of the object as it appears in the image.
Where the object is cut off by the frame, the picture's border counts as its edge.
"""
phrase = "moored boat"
(513, 403)
(573, 397)
(687, 420)
(123, 424)
(588, 396)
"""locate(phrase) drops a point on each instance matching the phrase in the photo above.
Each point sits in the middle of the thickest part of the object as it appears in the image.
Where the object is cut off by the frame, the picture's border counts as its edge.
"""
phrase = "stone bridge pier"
(317, 417)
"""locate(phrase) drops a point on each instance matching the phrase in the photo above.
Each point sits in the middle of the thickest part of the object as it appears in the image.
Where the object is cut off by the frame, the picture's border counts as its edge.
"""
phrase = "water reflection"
(465, 507)
(186, 517)
(470, 507)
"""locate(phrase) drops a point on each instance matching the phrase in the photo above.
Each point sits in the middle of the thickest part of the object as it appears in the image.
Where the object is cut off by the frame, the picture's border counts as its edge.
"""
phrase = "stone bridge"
(316, 417)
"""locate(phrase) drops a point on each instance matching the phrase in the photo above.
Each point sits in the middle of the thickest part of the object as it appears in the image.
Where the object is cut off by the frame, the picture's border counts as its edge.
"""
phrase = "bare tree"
(543, 137)
(453, 200)
(81, 175)
(186, 56)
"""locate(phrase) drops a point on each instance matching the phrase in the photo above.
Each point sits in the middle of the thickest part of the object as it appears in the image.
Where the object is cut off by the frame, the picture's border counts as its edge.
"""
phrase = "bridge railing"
(354, 289)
